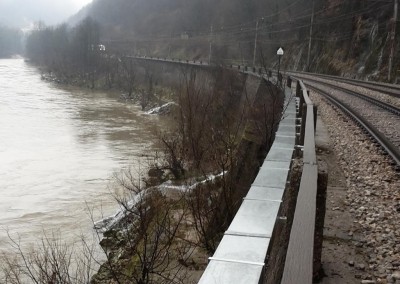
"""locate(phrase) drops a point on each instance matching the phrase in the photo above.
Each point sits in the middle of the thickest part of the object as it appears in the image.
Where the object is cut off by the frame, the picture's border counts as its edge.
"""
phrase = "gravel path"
(372, 200)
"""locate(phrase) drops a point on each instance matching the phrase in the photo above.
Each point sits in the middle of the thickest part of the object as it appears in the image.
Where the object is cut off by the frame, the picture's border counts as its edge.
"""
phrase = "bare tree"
(150, 78)
(50, 261)
(211, 121)
(127, 75)
(203, 206)
(174, 155)
(109, 69)
(149, 240)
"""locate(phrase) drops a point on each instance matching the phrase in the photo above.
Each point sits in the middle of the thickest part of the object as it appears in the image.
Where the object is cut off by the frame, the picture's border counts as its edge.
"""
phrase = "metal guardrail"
(171, 60)
(390, 89)
(299, 258)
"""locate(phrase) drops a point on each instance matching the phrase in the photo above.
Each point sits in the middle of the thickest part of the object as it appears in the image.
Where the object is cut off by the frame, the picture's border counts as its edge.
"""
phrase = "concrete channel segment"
(241, 255)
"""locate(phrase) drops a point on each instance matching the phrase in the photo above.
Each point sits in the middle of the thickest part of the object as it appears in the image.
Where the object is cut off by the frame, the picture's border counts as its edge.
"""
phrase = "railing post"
(298, 90)
(289, 82)
(303, 108)
(315, 117)
(301, 103)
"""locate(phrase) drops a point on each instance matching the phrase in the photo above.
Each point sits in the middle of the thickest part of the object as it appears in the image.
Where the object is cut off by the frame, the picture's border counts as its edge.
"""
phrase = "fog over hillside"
(22, 13)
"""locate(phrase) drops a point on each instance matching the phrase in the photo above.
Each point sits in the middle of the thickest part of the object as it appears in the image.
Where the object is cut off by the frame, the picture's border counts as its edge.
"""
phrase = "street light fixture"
(280, 54)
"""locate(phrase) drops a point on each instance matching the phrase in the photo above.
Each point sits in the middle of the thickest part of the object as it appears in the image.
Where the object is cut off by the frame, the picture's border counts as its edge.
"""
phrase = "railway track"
(388, 89)
(381, 124)
(386, 106)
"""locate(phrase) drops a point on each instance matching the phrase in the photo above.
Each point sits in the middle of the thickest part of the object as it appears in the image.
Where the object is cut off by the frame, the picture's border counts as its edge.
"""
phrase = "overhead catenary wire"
(233, 33)
(288, 22)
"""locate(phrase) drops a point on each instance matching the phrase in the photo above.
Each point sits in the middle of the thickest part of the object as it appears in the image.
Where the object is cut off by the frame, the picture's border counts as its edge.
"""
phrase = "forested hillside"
(347, 37)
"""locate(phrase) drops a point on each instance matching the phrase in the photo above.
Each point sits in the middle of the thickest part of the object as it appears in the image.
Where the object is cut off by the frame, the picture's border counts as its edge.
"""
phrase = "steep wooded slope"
(348, 36)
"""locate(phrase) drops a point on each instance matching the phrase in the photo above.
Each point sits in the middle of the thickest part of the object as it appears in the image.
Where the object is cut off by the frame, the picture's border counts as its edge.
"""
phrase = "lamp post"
(279, 53)
(211, 42)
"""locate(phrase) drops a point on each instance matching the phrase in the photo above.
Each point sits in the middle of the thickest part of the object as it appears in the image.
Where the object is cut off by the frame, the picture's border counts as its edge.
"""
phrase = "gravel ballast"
(370, 203)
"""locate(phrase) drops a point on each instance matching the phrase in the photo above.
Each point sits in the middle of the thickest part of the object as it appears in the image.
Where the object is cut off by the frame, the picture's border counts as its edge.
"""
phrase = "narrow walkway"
(339, 250)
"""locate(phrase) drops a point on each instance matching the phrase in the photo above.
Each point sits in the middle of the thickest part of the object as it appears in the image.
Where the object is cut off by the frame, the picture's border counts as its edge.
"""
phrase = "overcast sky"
(22, 13)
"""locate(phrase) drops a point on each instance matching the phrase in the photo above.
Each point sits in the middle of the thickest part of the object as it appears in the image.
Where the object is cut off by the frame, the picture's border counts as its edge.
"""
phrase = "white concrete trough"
(255, 218)
(273, 174)
(265, 193)
(241, 248)
(241, 255)
(218, 272)
(280, 153)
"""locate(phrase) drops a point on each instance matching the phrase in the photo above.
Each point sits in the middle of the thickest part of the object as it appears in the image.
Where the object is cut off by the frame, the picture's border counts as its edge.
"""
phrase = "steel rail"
(388, 107)
(389, 89)
(387, 146)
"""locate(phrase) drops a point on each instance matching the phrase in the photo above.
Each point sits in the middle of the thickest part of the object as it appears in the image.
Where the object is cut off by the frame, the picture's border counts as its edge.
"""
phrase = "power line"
(244, 30)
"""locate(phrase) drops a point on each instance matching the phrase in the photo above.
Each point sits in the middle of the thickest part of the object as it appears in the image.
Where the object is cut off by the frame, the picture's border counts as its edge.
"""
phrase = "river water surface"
(59, 148)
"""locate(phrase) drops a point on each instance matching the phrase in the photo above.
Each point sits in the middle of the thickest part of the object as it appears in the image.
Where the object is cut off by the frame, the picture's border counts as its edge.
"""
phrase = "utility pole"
(210, 52)
(255, 43)
(309, 40)
(393, 40)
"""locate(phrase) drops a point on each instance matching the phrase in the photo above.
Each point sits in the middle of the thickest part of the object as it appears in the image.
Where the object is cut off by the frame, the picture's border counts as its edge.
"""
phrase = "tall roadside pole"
(210, 51)
(310, 37)
(255, 43)
(279, 52)
(393, 40)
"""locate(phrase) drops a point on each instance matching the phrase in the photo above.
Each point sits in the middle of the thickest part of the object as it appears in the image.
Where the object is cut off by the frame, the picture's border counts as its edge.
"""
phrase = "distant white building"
(184, 35)
(99, 47)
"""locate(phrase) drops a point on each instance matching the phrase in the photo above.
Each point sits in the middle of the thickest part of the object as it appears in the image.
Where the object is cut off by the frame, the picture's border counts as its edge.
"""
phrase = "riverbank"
(60, 148)
(169, 231)
(159, 96)
(213, 110)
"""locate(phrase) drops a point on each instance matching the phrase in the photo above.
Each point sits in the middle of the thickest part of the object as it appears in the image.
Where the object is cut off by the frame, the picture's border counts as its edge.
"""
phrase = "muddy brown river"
(59, 148)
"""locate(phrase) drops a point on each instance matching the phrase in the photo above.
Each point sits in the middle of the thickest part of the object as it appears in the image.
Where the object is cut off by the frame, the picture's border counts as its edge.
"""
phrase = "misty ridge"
(342, 38)
(22, 13)
(19, 17)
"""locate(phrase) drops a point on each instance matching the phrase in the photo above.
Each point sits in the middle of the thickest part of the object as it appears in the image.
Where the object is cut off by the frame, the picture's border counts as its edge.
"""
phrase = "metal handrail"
(299, 258)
